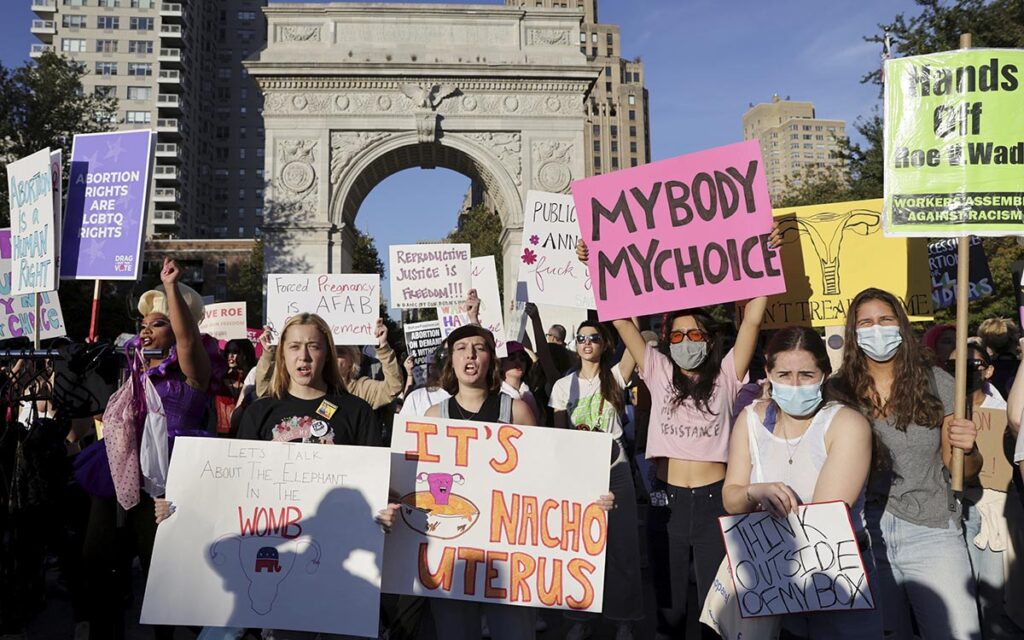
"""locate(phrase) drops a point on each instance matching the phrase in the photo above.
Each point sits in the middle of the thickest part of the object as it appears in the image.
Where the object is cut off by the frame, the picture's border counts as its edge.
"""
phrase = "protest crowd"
(680, 461)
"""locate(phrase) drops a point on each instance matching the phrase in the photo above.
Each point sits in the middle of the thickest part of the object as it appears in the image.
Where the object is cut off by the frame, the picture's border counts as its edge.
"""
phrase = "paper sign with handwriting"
(429, 275)
(485, 281)
(18, 313)
(498, 513)
(225, 321)
(808, 562)
(548, 266)
(421, 340)
(33, 248)
(685, 232)
(263, 529)
(348, 302)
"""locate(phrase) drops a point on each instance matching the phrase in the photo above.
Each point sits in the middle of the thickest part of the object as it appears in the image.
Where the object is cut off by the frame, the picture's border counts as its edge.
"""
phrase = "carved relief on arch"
(346, 146)
(552, 165)
(506, 146)
(296, 183)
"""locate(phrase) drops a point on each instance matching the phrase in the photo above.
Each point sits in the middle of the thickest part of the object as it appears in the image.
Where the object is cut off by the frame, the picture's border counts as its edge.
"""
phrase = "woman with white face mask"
(801, 447)
(912, 515)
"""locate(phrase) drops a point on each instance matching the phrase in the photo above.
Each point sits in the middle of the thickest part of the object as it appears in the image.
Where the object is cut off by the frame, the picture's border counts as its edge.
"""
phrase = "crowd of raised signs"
(707, 418)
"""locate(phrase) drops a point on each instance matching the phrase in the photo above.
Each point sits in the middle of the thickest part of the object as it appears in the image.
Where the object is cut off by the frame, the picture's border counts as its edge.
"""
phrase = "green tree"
(42, 104)
(247, 285)
(365, 258)
(481, 229)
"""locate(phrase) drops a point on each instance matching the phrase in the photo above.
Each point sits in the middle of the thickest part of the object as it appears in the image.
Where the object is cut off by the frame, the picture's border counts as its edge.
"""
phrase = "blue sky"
(705, 61)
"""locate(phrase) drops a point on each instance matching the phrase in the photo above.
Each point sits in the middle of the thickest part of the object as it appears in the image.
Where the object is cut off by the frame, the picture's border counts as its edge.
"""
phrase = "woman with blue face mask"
(912, 514)
(800, 447)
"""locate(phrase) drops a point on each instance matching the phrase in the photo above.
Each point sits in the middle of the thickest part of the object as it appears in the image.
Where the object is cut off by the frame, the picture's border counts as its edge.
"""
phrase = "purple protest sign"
(108, 190)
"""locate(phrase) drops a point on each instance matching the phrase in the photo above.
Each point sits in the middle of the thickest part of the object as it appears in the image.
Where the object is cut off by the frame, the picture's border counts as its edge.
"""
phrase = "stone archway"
(357, 92)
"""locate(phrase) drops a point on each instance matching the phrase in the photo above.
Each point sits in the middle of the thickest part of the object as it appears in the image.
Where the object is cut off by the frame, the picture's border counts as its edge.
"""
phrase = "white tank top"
(770, 457)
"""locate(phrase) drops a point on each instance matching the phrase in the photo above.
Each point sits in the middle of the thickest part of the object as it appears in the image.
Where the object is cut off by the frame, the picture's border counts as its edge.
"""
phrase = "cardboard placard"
(429, 275)
(808, 562)
(996, 470)
(33, 249)
(954, 143)
(485, 281)
(942, 262)
(262, 530)
(421, 340)
(498, 513)
(348, 302)
(225, 321)
(108, 194)
(18, 313)
(549, 271)
(690, 231)
(823, 251)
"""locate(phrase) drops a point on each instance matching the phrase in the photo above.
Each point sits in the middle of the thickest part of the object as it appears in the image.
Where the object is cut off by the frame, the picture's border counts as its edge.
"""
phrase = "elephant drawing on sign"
(826, 231)
(265, 561)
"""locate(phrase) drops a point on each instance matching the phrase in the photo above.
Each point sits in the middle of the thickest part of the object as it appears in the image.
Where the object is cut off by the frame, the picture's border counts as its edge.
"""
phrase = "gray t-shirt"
(910, 471)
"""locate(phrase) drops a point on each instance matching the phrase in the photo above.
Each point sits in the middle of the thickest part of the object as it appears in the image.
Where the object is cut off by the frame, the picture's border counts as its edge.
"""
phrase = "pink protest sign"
(685, 232)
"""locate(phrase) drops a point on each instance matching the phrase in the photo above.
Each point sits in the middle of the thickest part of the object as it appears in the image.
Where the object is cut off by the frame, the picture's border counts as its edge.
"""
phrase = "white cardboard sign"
(349, 302)
(548, 267)
(225, 321)
(18, 313)
(33, 248)
(498, 513)
(485, 281)
(808, 562)
(270, 535)
(429, 275)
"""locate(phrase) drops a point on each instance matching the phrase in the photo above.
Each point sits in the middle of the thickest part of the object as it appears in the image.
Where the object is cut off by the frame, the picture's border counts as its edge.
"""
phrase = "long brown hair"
(800, 339)
(610, 391)
(702, 386)
(331, 374)
(450, 382)
(911, 399)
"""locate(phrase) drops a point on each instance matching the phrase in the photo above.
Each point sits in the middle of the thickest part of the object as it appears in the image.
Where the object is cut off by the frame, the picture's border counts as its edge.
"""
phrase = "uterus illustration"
(826, 230)
(437, 512)
(264, 561)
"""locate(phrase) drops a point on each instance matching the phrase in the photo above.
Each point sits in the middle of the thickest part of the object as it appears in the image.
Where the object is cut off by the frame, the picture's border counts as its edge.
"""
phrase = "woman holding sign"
(913, 516)
(591, 399)
(472, 376)
(802, 447)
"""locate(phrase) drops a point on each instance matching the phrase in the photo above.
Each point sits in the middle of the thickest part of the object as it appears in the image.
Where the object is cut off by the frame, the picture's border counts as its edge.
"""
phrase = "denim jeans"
(460, 620)
(926, 572)
(687, 525)
(990, 576)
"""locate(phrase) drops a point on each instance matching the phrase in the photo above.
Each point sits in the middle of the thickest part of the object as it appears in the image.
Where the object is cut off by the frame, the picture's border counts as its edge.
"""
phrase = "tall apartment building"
(618, 131)
(175, 67)
(793, 139)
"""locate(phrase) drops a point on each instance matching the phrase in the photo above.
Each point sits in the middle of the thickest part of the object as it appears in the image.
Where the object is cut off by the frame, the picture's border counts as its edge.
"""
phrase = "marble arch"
(356, 92)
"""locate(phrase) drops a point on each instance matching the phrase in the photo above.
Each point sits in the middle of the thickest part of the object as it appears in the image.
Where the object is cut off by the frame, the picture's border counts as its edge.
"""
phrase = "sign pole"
(94, 320)
(963, 275)
(39, 321)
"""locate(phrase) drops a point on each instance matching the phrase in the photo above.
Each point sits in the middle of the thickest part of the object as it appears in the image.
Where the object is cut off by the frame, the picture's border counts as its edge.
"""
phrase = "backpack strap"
(505, 409)
(444, 408)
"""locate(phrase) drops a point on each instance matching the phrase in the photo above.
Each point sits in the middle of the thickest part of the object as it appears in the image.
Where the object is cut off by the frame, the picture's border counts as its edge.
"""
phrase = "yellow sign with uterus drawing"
(832, 252)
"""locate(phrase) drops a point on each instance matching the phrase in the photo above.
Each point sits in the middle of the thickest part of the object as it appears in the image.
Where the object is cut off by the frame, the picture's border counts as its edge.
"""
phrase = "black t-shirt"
(292, 419)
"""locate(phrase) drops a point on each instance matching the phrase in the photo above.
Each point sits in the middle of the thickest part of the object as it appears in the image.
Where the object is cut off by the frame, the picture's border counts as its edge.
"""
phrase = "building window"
(241, 153)
(583, 37)
(220, 154)
(222, 268)
(73, 45)
(106, 46)
(241, 232)
(139, 93)
(138, 117)
(259, 152)
(108, 22)
(74, 22)
(143, 4)
(631, 99)
(224, 73)
(610, 52)
(593, 38)
(140, 46)
(259, 196)
(597, 162)
(141, 24)
(615, 163)
(242, 111)
(632, 147)
(608, 38)
(110, 4)
(140, 69)
(632, 162)
(222, 133)
(632, 115)
(597, 146)
(106, 68)
(105, 91)
(608, 87)
(608, 72)
(807, 127)
(593, 51)
(247, 16)
(615, 131)
(632, 132)
(75, 3)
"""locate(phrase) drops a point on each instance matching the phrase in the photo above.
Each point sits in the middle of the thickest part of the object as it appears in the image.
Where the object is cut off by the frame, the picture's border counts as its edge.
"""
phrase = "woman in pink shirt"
(693, 383)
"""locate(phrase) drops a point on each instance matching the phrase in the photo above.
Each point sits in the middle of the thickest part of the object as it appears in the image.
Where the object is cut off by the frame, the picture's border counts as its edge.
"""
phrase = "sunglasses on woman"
(693, 335)
(593, 338)
(972, 365)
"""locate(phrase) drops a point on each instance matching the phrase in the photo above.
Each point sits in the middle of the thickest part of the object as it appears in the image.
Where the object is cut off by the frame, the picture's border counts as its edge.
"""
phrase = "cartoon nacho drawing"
(437, 512)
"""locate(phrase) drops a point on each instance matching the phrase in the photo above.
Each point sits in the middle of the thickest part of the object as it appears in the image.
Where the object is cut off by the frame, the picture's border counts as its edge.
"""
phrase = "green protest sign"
(954, 144)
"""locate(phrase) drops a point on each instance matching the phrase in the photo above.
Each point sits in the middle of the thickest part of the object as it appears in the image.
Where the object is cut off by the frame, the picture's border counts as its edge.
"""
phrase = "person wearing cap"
(183, 366)
(515, 367)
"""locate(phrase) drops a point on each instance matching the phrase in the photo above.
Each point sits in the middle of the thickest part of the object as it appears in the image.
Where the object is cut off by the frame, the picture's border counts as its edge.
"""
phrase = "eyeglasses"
(587, 427)
(593, 338)
(972, 365)
(693, 335)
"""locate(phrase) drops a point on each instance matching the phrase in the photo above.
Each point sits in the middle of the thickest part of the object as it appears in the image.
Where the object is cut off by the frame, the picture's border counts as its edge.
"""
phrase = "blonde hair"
(999, 335)
(281, 381)
(355, 356)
